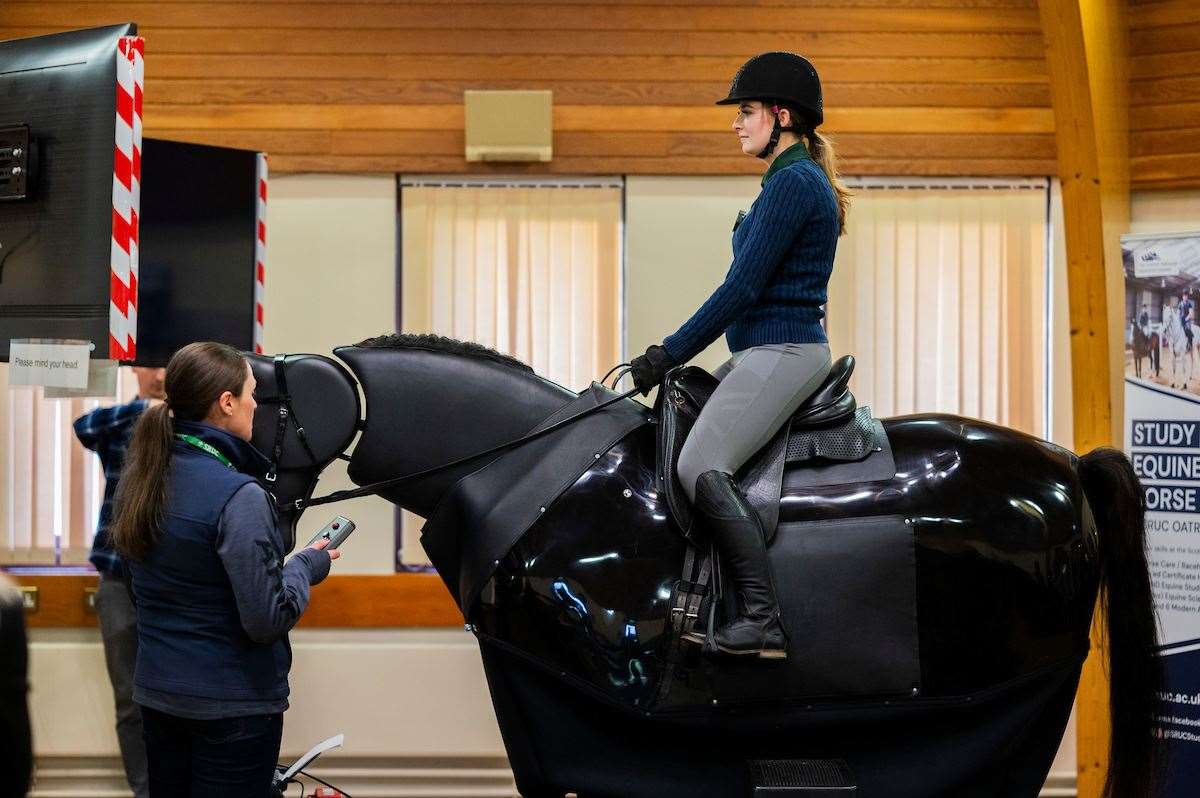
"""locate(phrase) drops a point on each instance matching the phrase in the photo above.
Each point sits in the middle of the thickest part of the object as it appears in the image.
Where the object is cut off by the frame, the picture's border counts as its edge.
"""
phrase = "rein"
(375, 487)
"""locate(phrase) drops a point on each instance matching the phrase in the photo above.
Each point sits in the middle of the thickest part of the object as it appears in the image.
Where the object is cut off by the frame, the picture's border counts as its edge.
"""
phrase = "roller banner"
(1162, 438)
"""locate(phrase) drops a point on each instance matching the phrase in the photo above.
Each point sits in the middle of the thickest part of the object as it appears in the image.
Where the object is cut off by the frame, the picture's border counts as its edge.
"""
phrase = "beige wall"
(413, 706)
(331, 280)
(677, 250)
(1165, 211)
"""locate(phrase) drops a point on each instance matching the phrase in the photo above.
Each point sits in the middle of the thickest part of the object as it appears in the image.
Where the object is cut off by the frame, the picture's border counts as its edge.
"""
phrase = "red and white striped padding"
(260, 252)
(126, 197)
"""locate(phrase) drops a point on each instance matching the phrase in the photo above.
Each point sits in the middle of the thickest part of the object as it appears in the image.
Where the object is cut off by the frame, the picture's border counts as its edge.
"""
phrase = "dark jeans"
(229, 757)
(118, 630)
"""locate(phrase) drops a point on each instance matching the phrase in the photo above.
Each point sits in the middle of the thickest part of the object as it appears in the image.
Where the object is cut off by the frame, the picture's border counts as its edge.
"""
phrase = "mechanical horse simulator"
(937, 577)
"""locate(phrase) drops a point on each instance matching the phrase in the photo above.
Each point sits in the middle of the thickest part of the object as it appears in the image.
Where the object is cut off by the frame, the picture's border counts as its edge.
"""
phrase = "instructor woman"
(215, 599)
(769, 308)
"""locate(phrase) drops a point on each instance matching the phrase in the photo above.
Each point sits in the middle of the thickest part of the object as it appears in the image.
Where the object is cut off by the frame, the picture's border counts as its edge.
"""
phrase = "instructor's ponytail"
(142, 486)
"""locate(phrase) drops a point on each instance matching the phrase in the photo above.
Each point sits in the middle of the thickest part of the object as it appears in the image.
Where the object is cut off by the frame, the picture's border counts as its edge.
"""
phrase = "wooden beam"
(345, 601)
(673, 165)
(1087, 60)
(162, 119)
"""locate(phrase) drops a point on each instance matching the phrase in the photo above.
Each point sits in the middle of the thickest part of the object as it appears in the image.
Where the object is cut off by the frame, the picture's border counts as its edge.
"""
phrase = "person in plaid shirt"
(106, 431)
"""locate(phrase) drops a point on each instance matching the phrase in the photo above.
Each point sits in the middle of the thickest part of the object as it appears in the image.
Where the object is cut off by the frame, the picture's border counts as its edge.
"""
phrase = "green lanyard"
(192, 440)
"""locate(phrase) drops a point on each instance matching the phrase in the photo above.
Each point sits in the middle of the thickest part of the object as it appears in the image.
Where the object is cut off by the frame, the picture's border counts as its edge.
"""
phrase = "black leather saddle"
(828, 426)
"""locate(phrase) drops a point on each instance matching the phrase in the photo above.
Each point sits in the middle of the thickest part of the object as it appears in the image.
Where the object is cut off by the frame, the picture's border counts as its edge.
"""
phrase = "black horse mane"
(440, 343)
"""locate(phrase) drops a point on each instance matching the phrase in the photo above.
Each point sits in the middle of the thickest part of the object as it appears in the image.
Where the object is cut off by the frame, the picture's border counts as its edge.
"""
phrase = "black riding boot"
(735, 526)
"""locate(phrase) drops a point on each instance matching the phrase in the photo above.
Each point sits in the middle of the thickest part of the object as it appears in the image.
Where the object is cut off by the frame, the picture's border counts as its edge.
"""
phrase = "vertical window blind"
(941, 295)
(52, 487)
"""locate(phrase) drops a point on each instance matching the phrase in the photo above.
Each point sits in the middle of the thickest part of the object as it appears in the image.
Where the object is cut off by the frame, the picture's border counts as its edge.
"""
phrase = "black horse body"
(938, 618)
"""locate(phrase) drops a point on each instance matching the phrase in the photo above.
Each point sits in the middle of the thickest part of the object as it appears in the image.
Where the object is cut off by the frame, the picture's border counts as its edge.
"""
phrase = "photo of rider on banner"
(1162, 290)
(1162, 438)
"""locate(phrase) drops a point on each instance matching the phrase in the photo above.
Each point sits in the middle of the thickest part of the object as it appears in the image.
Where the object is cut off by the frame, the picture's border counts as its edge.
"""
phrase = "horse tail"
(1135, 676)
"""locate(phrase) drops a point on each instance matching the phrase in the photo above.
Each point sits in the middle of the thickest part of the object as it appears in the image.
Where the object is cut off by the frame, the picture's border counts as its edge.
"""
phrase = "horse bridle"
(287, 412)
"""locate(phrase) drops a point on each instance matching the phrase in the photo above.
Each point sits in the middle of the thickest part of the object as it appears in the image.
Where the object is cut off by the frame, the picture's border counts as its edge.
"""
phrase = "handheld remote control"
(336, 532)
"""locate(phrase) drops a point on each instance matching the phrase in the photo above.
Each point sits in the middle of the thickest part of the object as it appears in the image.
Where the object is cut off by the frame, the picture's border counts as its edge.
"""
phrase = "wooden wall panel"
(398, 601)
(937, 87)
(1164, 43)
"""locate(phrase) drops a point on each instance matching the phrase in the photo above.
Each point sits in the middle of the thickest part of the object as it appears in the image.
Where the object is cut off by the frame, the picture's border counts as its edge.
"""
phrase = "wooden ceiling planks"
(1164, 42)
(916, 87)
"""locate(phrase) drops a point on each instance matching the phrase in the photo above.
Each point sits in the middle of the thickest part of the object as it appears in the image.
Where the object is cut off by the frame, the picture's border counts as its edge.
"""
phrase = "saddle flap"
(761, 481)
(680, 399)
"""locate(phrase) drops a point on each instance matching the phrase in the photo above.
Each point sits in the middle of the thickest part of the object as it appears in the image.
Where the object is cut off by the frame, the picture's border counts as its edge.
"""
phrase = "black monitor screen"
(55, 245)
(198, 228)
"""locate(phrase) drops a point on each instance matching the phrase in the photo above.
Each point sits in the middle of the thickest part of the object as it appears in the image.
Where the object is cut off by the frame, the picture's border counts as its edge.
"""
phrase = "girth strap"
(686, 601)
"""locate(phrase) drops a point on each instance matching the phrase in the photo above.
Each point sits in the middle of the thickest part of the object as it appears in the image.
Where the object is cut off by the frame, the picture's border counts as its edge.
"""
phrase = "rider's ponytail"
(820, 149)
(197, 375)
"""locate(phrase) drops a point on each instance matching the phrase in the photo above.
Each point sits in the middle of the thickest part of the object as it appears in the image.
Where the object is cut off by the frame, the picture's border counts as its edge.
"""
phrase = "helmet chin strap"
(775, 131)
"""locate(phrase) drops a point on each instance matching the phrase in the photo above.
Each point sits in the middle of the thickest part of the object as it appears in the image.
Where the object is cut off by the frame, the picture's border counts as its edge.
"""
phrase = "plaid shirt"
(106, 431)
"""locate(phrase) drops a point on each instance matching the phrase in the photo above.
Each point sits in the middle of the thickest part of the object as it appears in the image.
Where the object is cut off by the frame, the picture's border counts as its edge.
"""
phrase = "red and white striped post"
(260, 252)
(126, 198)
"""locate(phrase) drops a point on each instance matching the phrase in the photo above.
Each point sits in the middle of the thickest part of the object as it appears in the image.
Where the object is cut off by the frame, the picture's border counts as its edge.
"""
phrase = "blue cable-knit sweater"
(782, 258)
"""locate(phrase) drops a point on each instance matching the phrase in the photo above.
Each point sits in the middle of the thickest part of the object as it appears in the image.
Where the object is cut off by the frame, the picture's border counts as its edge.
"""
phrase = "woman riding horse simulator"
(769, 308)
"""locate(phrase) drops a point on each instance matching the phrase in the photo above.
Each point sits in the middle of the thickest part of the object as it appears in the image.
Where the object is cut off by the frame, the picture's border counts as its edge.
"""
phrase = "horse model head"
(308, 414)
(431, 400)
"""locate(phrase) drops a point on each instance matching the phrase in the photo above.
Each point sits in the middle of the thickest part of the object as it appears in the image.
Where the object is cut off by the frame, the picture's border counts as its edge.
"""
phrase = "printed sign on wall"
(60, 364)
(1162, 437)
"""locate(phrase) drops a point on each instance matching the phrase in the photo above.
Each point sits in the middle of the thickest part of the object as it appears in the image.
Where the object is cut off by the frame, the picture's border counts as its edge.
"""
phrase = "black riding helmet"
(782, 78)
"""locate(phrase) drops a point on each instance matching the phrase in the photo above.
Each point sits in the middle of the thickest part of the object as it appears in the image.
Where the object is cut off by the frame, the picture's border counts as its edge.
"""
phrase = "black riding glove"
(650, 368)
